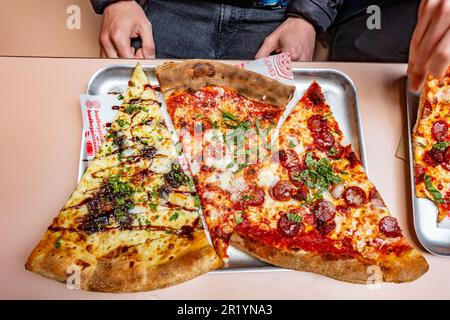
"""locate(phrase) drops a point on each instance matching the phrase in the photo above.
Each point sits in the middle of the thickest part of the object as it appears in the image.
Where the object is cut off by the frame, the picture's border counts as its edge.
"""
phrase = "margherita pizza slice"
(320, 213)
(431, 143)
(132, 223)
(223, 115)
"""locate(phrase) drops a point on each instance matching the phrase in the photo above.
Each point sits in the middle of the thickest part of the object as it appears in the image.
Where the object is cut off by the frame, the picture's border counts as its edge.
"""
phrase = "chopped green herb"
(120, 97)
(197, 201)
(422, 145)
(239, 219)
(435, 192)
(121, 122)
(241, 166)
(174, 216)
(441, 146)
(333, 151)
(291, 144)
(229, 116)
(57, 243)
(247, 197)
(132, 108)
(320, 173)
(294, 217)
(179, 147)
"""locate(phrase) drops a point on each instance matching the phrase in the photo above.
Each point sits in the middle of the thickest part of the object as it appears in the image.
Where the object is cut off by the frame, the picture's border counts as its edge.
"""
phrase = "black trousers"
(210, 30)
(353, 41)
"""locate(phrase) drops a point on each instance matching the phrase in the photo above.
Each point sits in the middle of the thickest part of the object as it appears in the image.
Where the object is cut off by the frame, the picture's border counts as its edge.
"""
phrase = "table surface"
(41, 133)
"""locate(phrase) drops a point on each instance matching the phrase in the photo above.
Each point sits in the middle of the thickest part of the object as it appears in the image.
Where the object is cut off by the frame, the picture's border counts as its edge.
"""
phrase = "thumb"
(269, 45)
(148, 45)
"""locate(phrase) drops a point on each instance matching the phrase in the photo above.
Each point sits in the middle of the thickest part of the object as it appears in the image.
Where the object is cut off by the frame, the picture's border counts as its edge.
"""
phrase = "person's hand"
(430, 44)
(296, 36)
(122, 21)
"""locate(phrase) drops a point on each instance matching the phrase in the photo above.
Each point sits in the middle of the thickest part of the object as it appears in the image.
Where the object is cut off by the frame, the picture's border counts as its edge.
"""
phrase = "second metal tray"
(339, 92)
(434, 237)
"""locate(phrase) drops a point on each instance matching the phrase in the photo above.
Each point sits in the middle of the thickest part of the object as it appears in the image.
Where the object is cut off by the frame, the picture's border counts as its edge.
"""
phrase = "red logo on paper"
(279, 66)
(93, 104)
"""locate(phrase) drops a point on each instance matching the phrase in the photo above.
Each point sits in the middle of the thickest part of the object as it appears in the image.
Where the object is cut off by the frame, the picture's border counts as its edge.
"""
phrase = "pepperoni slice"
(336, 152)
(310, 219)
(324, 140)
(447, 155)
(283, 190)
(427, 109)
(315, 94)
(354, 196)
(252, 196)
(301, 194)
(324, 210)
(429, 158)
(294, 175)
(251, 173)
(317, 123)
(325, 228)
(289, 228)
(439, 130)
(288, 158)
(446, 163)
(375, 198)
(438, 155)
(389, 227)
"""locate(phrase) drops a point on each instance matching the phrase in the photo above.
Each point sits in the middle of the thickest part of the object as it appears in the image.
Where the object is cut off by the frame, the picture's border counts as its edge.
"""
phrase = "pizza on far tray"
(431, 144)
(309, 206)
(132, 223)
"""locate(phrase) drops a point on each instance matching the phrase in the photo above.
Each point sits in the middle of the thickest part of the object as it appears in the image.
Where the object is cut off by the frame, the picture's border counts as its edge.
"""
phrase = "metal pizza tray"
(433, 236)
(339, 92)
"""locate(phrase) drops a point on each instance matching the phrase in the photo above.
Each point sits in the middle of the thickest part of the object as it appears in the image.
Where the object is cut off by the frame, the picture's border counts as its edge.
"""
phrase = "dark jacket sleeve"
(100, 5)
(320, 13)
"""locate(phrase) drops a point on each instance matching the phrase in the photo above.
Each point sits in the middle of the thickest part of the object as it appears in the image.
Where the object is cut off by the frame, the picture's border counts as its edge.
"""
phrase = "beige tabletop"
(40, 144)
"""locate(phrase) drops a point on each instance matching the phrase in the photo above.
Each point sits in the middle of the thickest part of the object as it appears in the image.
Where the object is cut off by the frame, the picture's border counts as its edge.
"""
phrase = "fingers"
(440, 57)
(148, 45)
(139, 54)
(269, 45)
(426, 10)
(107, 47)
(430, 42)
(122, 44)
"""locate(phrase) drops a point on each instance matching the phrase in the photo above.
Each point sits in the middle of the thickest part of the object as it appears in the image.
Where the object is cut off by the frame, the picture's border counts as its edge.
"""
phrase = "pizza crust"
(404, 269)
(196, 74)
(121, 271)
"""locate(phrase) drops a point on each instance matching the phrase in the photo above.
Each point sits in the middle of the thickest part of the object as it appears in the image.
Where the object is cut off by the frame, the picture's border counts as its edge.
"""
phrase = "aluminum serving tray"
(339, 92)
(433, 236)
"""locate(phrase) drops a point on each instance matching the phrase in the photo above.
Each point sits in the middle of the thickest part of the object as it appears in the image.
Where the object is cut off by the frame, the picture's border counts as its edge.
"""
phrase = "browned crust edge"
(196, 74)
(405, 268)
(113, 274)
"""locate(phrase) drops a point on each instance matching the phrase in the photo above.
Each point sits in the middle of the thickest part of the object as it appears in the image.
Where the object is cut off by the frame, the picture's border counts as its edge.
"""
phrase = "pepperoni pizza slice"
(217, 109)
(431, 143)
(132, 223)
(320, 213)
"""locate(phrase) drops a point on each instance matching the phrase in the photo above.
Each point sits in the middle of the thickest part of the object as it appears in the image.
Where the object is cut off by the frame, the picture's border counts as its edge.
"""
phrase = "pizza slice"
(431, 144)
(224, 115)
(132, 223)
(320, 211)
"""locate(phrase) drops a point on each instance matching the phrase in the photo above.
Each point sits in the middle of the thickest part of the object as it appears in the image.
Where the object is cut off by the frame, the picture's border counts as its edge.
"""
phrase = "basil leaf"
(435, 192)
(239, 220)
(441, 146)
(294, 217)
